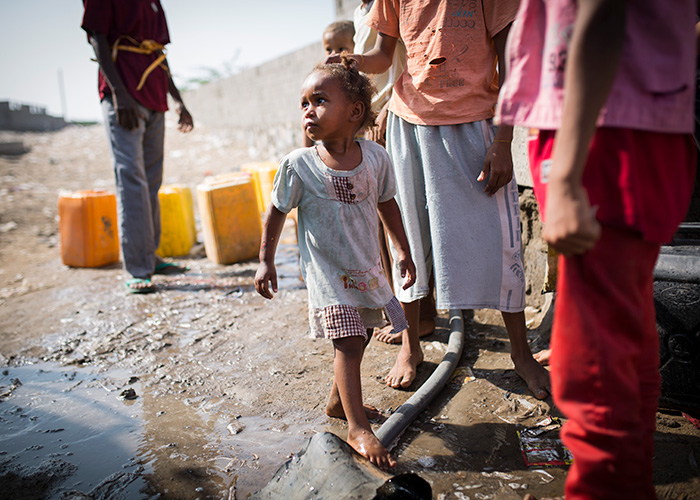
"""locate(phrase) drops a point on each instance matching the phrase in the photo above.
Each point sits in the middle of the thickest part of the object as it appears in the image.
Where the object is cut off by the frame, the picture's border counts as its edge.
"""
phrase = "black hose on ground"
(397, 423)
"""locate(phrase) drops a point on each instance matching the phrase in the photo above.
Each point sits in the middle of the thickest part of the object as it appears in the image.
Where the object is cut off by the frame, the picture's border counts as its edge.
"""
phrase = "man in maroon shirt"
(134, 81)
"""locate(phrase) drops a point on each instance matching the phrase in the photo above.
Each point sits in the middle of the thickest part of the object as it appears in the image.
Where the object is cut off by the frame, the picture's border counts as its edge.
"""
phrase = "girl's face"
(327, 111)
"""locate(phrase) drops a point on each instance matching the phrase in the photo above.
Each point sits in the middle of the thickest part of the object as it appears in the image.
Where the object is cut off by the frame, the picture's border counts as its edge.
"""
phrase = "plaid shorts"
(342, 321)
(339, 321)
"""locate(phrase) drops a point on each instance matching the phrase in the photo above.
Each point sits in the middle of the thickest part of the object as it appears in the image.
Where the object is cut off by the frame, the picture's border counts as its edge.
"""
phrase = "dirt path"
(227, 385)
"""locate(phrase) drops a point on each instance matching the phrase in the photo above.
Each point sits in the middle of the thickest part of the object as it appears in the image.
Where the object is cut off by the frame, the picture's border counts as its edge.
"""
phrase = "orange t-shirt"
(450, 75)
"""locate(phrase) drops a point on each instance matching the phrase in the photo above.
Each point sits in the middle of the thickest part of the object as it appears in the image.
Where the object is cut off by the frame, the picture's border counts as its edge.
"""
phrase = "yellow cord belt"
(146, 47)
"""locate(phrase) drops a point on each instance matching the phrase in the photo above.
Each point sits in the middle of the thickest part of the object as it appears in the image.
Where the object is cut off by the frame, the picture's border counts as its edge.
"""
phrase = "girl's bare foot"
(365, 443)
(542, 357)
(403, 373)
(530, 497)
(334, 409)
(534, 375)
(389, 336)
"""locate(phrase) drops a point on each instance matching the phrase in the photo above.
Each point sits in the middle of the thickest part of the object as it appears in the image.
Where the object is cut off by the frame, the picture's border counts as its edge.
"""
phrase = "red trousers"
(605, 366)
(605, 347)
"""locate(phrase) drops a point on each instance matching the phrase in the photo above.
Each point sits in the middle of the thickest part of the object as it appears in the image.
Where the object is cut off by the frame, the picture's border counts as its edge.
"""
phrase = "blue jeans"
(138, 169)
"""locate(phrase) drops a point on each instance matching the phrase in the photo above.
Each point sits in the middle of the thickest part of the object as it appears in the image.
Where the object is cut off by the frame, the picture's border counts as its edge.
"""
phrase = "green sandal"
(138, 285)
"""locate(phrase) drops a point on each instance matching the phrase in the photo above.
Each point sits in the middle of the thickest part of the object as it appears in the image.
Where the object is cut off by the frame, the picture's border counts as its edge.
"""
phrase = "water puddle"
(67, 426)
(67, 429)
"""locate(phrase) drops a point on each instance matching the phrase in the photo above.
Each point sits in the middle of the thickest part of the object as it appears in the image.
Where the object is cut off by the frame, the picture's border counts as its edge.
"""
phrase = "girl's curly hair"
(356, 85)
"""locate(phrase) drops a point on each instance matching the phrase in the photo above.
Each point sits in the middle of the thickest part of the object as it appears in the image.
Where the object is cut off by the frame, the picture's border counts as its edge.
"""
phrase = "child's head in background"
(336, 99)
(338, 37)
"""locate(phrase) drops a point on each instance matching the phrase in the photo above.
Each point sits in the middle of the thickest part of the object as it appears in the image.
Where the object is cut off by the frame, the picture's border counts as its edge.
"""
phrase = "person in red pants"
(612, 95)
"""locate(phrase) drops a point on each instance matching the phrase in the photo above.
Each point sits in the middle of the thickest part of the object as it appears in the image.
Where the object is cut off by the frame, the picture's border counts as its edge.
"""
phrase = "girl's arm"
(391, 218)
(266, 274)
(377, 60)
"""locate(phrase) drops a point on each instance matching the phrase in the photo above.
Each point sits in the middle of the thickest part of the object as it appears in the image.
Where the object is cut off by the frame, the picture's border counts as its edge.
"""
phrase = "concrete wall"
(259, 106)
(27, 118)
(344, 9)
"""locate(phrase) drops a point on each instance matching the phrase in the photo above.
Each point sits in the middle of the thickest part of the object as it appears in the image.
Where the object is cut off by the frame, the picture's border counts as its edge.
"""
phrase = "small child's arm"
(266, 274)
(391, 218)
(376, 60)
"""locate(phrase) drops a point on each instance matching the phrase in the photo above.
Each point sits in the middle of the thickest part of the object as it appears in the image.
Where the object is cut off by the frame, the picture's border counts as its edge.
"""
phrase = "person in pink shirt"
(610, 87)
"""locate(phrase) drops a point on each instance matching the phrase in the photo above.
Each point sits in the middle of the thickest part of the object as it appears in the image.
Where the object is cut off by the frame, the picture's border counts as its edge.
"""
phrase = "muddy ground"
(203, 389)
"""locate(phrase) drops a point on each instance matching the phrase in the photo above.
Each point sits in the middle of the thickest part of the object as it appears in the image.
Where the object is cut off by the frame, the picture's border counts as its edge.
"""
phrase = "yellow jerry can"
(230, 219)
(177, 228)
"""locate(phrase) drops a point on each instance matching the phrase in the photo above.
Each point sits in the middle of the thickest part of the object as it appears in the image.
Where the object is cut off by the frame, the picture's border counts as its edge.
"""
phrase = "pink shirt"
(654, 86)
(450, 75)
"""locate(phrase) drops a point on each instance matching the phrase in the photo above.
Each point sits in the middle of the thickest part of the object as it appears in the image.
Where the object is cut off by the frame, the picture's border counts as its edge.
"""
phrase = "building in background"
(27, 118)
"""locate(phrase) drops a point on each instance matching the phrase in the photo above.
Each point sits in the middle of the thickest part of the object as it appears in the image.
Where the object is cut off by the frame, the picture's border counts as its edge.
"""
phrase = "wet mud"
(203, 389)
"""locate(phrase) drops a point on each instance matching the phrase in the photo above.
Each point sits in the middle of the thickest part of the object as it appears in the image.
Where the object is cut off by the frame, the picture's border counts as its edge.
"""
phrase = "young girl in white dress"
(339, 186)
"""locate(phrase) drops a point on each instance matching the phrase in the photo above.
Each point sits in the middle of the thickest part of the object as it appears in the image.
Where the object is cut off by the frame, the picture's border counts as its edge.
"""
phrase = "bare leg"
(346, 367)
(534, 375)
(542, 357)
(428, 312)
(334, 407)
(403, 373)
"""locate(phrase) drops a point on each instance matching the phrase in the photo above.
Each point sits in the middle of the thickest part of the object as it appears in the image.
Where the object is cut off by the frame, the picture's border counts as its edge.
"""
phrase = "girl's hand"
(265, 276)
(408, 270)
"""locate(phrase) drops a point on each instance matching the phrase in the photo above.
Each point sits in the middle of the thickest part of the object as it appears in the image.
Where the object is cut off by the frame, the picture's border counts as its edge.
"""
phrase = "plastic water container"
(263, 174)
(230, 219)
(177, 228)
(88, 228)
(229, 176)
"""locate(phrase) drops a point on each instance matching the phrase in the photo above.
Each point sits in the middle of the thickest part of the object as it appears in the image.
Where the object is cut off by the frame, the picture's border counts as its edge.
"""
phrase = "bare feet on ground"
(334, 409)
(542, 357)
(534, 375)
(366, 444)
(388, 336)
(403, 373)
(530, 497)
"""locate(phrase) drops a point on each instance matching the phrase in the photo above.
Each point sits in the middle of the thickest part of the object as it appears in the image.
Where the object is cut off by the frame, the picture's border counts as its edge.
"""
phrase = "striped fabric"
(395, 315)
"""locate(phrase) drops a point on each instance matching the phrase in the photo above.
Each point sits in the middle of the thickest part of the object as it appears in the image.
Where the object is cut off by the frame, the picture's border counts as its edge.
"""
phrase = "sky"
(43, 44)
